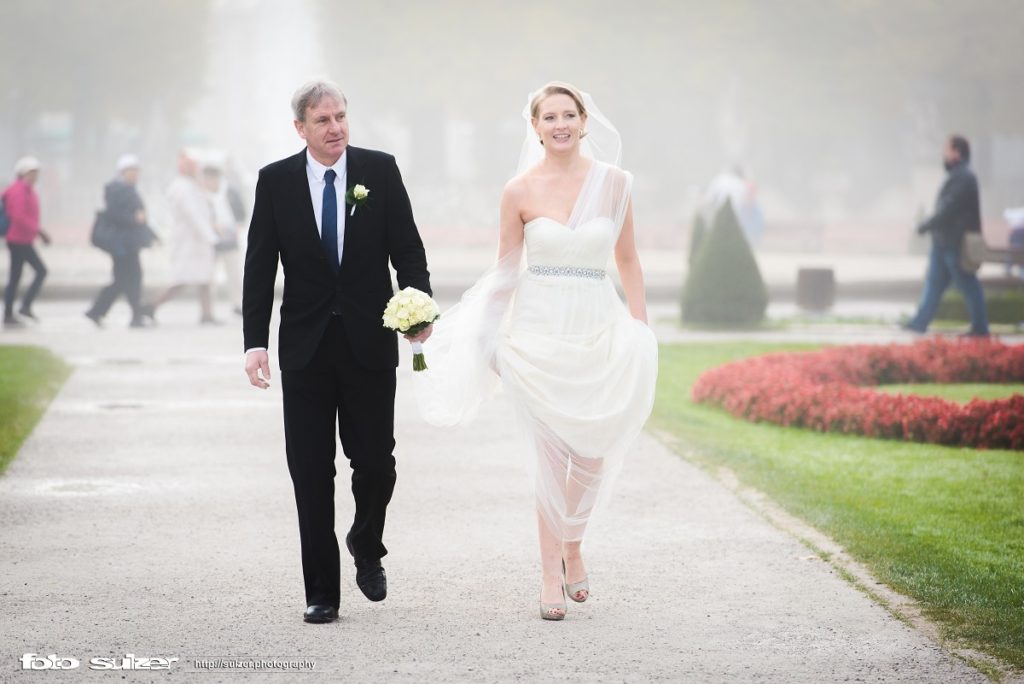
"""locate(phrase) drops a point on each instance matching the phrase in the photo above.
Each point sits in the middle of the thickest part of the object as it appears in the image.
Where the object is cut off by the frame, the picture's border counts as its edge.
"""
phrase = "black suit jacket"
(957, 210)
(283, 226)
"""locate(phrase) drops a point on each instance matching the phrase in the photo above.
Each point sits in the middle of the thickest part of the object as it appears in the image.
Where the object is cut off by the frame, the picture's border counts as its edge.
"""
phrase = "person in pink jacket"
(22, 207)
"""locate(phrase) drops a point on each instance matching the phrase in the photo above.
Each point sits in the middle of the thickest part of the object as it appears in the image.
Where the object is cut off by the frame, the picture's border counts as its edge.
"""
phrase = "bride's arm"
(510, 236)
(630, 273)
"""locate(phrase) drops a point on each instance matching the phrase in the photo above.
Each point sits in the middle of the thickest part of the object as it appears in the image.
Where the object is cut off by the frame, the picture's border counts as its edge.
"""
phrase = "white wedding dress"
(553, 333)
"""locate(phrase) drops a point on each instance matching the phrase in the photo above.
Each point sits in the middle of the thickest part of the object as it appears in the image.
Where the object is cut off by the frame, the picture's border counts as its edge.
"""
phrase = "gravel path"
(151, 514)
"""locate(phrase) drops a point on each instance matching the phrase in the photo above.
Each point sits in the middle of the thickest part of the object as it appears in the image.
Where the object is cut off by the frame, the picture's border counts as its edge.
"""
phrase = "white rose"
(360, 192)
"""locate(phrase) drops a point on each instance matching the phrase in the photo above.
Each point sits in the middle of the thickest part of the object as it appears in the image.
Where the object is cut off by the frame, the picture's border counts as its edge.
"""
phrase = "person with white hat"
(21, 204)
(126, 214)
(227, 226)
(192, 239)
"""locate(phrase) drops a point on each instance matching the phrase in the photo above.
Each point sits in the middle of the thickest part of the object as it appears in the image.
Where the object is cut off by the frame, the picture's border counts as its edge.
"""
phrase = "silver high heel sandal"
(547, 609)
(576, 587)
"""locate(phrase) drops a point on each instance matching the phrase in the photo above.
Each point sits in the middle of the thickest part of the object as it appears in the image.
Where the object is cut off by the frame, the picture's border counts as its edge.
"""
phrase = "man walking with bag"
(957, 212)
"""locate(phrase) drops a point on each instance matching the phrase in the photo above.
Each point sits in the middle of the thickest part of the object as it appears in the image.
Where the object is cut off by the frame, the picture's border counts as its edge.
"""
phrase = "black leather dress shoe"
(370, 577)
(318, 614)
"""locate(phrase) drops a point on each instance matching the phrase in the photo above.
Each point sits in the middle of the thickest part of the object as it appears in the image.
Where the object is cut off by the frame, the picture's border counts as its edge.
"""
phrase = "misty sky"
(836, 110)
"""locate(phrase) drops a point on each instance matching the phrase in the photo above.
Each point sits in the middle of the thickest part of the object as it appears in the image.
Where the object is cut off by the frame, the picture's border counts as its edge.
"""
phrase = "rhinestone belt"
(568, 271)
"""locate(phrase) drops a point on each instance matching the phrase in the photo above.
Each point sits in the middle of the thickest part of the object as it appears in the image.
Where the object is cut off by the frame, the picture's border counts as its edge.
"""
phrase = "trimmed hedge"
(1002, 307)
(724, 284)
(697, 233)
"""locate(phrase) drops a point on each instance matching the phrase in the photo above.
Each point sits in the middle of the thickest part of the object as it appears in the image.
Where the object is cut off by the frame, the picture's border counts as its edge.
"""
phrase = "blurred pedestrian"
(125, 214)
(733, 186)
(1015, 219)
(957, 212)
(192, 239)
(21, 203)
(227, 227)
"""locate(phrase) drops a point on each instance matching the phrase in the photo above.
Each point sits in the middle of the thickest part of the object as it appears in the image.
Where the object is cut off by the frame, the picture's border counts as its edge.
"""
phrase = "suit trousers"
(335, 392)
(127, 281)
(21, 255)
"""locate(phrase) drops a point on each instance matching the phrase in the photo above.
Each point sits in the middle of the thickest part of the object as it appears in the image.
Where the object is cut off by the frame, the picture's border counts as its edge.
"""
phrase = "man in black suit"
(337, 360)
(957, 211)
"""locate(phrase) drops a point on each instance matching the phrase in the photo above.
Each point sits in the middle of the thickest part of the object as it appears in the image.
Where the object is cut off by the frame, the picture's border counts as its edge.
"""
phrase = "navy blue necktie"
(329, 220)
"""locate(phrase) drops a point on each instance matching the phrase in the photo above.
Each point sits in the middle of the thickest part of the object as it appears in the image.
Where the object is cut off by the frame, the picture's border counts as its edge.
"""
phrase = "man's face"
(131, 175)
(950, 155)
(325, 130)
(31, 176)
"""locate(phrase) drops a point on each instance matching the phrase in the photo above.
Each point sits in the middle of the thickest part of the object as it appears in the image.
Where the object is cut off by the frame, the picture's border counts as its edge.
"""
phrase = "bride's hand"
(422, 336)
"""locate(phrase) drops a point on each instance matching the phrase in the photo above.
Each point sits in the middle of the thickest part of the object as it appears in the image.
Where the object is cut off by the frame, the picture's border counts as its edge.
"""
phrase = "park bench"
(980, 252)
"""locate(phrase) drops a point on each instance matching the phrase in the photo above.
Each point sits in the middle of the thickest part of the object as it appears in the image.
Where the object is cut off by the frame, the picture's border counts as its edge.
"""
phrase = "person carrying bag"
(120, 229)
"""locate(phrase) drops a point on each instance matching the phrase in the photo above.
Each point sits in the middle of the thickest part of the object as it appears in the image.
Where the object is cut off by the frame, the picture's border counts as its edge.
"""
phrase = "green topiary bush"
(1002, 307)
(724, 284)
(697, 233)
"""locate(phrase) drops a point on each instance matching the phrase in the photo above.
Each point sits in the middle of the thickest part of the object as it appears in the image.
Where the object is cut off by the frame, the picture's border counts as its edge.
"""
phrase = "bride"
(579, 367)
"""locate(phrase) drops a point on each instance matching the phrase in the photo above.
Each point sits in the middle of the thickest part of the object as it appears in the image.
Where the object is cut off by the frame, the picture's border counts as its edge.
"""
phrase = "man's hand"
(422, 336)
(45, 237)
(258, 361)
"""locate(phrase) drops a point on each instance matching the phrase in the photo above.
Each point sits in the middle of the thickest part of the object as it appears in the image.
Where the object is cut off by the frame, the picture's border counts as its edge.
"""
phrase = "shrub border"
(830, 391)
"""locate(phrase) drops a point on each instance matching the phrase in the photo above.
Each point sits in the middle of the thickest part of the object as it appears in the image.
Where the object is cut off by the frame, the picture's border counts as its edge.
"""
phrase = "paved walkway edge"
(903, 608)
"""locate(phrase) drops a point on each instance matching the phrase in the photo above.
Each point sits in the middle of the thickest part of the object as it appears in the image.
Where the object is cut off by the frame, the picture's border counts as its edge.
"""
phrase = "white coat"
(192, 233)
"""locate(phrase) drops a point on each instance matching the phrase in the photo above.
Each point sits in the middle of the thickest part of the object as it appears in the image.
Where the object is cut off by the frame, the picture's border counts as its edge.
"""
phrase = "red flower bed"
(829, 391)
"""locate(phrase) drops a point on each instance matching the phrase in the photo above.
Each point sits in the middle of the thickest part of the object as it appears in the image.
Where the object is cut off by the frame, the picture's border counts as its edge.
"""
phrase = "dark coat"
(283, 227)
(122, 200)
(957, 210)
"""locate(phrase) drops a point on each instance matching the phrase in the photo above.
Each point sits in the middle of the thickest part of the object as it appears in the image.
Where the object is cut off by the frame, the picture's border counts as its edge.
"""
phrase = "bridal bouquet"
(409, 312)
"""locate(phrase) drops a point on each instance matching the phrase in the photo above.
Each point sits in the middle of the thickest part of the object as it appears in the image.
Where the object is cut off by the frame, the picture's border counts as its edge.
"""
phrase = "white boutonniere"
(357, 196)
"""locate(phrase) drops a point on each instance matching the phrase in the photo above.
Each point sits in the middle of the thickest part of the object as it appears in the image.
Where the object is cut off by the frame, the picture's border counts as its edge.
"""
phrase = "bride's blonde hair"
(558, 88)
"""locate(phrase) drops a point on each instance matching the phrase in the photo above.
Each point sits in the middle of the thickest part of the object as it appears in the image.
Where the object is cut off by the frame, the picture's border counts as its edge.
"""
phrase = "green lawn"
(943, 525)
(962, 393)
(29, 378)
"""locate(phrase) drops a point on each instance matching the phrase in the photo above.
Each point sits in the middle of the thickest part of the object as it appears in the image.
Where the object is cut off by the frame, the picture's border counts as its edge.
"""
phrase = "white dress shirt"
(315, 175)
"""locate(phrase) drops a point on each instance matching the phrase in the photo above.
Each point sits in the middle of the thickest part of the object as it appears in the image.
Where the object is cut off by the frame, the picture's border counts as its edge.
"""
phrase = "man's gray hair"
(309, 95)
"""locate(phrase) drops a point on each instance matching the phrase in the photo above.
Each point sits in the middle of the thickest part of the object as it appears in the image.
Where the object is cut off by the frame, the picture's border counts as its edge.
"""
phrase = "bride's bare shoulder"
(517, 188)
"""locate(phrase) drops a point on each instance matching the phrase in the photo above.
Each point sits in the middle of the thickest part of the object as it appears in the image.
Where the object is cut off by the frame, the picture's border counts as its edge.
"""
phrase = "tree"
(724, 284)
(697, 233)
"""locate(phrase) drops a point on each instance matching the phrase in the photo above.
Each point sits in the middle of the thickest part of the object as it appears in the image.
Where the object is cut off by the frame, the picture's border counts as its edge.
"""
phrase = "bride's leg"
(584, 479)
(551, 477)
(551, 563)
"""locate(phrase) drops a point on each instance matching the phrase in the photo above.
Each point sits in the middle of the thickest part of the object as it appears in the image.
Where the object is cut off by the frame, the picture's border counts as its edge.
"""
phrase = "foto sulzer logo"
(34, 661)
(130, 661)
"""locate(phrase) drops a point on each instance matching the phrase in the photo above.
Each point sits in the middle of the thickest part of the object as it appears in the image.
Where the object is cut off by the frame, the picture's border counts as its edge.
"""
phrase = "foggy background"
(835, 110)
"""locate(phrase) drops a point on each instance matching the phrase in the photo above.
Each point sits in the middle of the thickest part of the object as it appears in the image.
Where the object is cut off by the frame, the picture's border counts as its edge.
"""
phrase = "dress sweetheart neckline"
(534, 220)
(564, 225)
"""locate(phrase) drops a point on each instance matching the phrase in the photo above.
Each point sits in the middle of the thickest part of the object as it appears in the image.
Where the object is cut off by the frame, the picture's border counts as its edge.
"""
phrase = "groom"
(337, 360)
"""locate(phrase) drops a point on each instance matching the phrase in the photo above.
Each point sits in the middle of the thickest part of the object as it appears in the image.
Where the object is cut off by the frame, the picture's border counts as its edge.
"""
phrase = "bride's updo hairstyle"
(558, 88)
